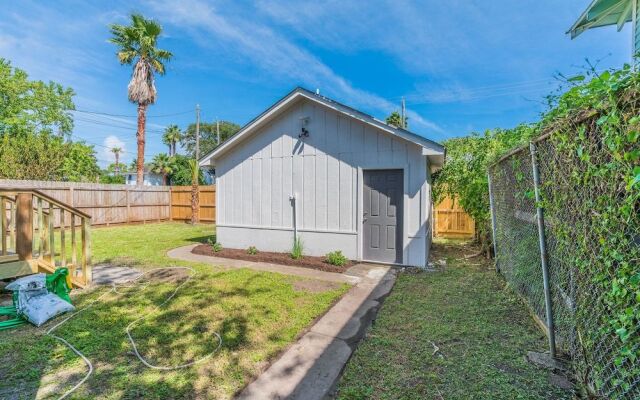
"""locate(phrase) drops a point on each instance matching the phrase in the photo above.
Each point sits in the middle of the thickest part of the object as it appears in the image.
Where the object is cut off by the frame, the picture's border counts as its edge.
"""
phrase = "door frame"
(405, 213)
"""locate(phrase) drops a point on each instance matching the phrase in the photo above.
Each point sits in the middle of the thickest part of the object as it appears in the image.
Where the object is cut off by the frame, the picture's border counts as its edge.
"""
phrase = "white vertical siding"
(256, 178)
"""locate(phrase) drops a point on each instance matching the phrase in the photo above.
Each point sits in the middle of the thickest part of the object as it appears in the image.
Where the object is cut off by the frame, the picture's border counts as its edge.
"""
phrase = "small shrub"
(336, 258)
(252, 250)
(296, 251)
(215, 246)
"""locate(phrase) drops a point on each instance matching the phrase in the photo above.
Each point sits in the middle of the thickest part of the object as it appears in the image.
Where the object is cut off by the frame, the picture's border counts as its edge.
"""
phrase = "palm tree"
(162, 164)
(195, 191)
(171, 136)
(117, 151)
(137, 45)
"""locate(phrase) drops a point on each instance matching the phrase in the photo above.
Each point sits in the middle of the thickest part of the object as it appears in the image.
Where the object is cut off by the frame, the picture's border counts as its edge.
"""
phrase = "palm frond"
(142, 89)
(137, 45)
(163, 55)
(157, 66)
(126, 56)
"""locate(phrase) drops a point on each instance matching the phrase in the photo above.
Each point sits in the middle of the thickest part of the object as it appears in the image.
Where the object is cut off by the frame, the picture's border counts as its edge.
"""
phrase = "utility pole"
(404, 112)
(197, 132)
(218, 130)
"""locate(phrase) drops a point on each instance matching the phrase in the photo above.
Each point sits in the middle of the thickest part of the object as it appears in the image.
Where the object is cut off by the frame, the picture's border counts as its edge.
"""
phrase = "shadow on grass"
(244, 307)
(202, 239)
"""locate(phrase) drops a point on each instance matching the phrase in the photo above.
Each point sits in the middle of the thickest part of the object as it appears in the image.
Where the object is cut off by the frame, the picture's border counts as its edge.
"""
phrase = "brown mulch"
(272, 258)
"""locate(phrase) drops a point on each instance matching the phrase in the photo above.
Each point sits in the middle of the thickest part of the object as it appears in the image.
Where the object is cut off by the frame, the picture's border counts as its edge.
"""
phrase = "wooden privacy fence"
(451, 222)
(181, 203)
(123, 204)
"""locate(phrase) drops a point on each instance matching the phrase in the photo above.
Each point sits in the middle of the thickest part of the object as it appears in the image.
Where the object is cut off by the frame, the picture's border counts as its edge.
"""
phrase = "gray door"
(382, 215)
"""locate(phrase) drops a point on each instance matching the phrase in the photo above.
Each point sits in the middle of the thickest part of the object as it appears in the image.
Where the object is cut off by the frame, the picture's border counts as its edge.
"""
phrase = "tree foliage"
(395, 119)
(162, 164)
(34, 127)
(208, 136)
(28, 106)
(181, 172)
(80, 163)
(590, 191)
(136, 45)
(171, 137)
(464, 175)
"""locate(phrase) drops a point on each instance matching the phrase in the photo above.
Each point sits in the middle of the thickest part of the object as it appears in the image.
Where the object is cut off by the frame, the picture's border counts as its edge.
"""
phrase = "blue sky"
(462, 65)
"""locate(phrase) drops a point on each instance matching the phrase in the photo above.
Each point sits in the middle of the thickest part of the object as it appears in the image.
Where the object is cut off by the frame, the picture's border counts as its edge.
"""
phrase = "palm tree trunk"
(142, 119)
(117, 164)
(195, 203)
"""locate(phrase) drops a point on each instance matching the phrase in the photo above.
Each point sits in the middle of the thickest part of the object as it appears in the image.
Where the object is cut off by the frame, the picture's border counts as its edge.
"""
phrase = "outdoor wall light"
(304, 132)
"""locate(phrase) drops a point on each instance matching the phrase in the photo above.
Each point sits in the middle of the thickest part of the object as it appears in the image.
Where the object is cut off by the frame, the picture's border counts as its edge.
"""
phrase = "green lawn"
(257, 315)
(457, 334)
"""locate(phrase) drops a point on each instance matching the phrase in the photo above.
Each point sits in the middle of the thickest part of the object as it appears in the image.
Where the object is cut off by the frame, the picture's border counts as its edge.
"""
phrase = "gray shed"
(338, 178)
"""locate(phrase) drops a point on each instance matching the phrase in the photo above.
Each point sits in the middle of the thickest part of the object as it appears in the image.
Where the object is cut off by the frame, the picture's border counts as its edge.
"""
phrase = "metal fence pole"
(493, 223)
(543, 250)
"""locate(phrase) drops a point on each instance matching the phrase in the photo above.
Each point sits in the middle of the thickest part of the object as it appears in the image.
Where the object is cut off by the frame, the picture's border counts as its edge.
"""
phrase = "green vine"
(590, 167)
(589, 160)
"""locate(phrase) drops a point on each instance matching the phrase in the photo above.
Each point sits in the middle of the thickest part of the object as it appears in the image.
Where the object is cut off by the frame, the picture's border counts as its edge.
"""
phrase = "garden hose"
(114, 289)
(14, 321)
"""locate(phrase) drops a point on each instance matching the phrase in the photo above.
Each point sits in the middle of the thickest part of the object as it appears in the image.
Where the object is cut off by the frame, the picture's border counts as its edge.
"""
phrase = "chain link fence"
(584, 305)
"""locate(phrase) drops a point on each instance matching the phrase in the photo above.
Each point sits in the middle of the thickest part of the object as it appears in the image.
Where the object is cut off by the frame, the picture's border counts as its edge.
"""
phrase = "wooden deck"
(41, 234)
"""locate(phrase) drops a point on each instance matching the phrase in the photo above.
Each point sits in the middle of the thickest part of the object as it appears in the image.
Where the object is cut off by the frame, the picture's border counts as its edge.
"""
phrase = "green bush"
(215, 246)
(336, 258)
(297, 250)
(252, 250)
(590, 193)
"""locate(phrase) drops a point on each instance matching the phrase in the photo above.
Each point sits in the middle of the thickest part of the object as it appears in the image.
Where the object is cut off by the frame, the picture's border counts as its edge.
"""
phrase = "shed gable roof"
(430, 148)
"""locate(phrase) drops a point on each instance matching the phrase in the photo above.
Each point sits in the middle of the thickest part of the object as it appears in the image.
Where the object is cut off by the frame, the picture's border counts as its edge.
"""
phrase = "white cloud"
(415, 34)
(271, 52)
(109, 143)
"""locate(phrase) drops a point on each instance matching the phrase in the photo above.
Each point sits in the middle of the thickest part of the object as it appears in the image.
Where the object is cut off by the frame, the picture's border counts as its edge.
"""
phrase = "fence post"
(128, 199)
(493, 223)
(170, 203)
(543, 250)
(24, 226)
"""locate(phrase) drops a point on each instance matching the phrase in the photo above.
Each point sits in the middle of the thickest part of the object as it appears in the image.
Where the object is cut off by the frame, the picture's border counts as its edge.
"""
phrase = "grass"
(257, 315)
(456, 334)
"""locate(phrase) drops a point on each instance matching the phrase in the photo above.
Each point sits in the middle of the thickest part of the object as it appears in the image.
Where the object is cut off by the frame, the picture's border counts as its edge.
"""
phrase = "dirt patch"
(314, 285)
(272, 258)
(168, 275)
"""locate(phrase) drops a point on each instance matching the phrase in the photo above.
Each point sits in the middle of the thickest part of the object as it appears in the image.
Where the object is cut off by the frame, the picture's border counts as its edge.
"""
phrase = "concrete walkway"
(310, 368)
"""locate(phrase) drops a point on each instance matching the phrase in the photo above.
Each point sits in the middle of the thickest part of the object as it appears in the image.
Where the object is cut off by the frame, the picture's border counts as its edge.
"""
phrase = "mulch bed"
(271, 258)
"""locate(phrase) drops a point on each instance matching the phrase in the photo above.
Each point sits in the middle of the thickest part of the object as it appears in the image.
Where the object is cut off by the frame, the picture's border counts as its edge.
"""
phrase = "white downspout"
(634, 30)
(292, 199)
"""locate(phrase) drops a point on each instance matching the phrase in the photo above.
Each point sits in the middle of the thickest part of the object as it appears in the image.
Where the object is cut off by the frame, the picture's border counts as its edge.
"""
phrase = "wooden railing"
(31, 222)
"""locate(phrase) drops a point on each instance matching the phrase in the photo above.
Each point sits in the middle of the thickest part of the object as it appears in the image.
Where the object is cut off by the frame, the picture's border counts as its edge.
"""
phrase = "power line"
(132, 116)
(112, 125)
(106, 147)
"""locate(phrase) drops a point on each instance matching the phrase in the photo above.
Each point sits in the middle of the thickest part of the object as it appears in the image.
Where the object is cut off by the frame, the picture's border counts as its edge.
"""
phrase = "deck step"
(11, 269)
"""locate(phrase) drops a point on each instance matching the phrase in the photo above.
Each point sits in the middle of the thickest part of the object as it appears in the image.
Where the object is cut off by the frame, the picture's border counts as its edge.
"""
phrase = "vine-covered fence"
(584, 226)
